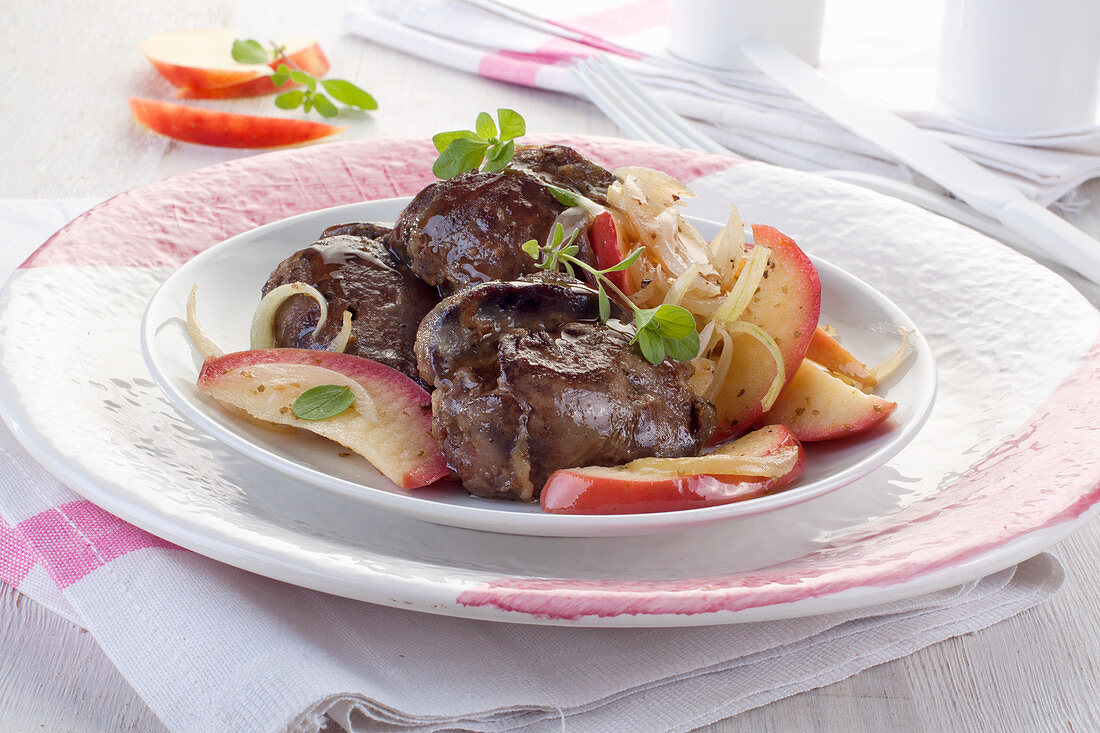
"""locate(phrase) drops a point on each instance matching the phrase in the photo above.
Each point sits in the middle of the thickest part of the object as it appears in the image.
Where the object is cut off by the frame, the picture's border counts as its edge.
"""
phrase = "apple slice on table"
(225, 129)
(786, 306)
(310, 59)
(389, 423)
(817, 405)
(203, 59)
(759, 463)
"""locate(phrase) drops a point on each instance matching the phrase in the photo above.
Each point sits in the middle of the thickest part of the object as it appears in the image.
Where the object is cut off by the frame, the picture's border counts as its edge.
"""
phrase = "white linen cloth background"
(534, 43)
(212, 648)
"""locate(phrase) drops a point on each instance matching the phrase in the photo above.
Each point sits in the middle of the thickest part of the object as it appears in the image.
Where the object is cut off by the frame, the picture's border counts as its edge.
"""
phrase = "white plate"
(1006, 465)
(230, 275)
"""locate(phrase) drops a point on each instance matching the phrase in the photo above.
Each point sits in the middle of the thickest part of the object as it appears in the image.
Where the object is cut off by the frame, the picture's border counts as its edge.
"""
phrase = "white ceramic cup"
(1020, 65)
(707, 32)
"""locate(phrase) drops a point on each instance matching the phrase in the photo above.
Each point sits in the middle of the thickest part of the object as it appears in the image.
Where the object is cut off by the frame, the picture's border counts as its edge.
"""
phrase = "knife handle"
(1054, 236)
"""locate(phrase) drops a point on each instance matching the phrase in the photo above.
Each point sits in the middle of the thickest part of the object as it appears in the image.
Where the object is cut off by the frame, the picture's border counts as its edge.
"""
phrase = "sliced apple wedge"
(604, 236)
(817, 405)
(389, 423)
(203, 59)
(756, 464)
(786, 306)
(224, 129)
(826, 351)
(310, 59)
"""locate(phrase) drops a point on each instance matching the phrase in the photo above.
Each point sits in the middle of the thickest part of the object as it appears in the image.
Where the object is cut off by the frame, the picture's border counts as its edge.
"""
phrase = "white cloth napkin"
(212, 648)
(535, 43)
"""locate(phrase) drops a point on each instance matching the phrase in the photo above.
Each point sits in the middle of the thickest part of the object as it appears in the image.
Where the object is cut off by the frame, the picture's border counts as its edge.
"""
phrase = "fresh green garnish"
(466, 150)
(250, 51)
(665, 331)
(323, 401)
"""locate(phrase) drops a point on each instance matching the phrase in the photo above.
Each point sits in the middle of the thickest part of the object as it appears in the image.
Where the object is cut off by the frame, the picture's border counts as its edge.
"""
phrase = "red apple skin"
(817, 405)
(194, 77)
(401, 395)
(786, 306)
(224, 129)
(310, 59)
(596, 491)
(604, 236)
(198, 59)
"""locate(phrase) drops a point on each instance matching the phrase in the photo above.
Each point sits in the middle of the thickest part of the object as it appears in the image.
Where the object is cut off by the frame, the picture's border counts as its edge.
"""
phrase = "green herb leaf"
(443, 139)
(302, 77)
(324, 106)
(564, 196)
(351, 95)
(282, 76)
(531, 247)
(499, 156)
(250, 52)
(652, 346)
(673, 322)
(642, 318)
(511, 124)
(605, 304)
(323, 401)
(684, 349)
(484, 140)
(485, 126)
(290, 100)
(460, 156)
(624, 264)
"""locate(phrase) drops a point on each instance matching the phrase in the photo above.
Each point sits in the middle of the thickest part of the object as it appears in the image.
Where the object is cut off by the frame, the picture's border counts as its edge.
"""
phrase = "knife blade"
(1049, 234)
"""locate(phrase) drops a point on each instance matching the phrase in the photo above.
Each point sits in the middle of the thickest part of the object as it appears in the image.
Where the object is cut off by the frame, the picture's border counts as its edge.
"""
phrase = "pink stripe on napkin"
(512, 67)
(16, 559)
(76, 538)
(631, 17)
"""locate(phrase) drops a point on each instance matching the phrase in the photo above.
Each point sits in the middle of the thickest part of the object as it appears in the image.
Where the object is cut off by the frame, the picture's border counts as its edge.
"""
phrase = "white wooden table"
(65, 131)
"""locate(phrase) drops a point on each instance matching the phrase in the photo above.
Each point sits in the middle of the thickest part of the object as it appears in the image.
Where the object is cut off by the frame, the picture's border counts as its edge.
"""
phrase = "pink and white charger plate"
(1005, 466)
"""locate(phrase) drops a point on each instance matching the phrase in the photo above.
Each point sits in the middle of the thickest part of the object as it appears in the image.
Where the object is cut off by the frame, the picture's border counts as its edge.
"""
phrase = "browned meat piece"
(356, 273)
(528, 382)
(470, 229)
(565, 167)
(358, 229)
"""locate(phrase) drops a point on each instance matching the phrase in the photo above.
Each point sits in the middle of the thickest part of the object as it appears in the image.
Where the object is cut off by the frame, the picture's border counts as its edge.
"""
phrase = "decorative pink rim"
(1047, 474)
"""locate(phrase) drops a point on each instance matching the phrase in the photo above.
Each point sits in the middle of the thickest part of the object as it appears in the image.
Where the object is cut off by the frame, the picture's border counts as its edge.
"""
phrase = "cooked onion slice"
(340, 343)
(262, 335)
(660, 189)
(777, 464)
(199, 337)
(773, 348)
(728, 248)
(888, 367)
(680, 286)
(744, 288)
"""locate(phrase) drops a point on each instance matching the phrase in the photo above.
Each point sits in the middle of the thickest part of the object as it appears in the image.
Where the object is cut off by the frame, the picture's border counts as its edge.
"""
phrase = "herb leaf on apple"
(323, 401)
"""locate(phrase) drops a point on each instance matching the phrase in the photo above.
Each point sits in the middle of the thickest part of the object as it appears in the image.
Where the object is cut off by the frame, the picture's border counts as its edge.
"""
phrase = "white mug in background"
(1020, 65)
(707, 32)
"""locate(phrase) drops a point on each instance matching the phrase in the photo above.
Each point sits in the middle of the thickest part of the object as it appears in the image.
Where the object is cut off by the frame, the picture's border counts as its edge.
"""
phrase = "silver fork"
(633, 109)
(643, 117)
